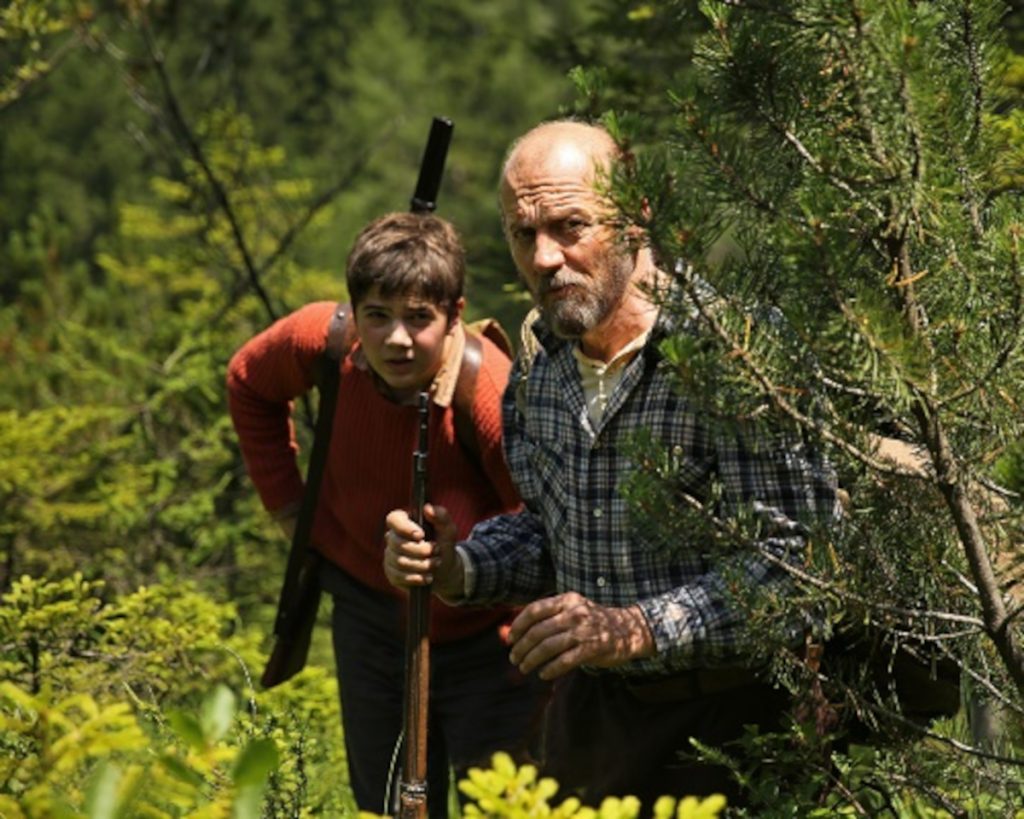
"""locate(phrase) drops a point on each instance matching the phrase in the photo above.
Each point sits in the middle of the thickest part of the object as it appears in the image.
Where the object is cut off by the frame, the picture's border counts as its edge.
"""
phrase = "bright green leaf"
(255, 763)
(218, 713)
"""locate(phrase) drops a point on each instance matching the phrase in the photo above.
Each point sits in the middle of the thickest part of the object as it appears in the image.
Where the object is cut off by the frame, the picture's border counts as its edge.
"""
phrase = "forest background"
(174, 176)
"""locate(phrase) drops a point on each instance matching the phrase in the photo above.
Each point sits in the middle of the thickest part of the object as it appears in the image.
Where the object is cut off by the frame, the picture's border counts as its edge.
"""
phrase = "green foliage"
(516, 792)
(127, 702)
(80, 759)
(26, 28)
(802, 773)
(132, 441)
(159, 641)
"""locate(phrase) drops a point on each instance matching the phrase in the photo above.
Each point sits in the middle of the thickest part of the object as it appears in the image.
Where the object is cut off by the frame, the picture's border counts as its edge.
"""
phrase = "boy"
(405, 277)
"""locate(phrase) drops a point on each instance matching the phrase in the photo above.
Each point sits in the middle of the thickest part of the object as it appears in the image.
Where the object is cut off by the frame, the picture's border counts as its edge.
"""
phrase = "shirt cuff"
(468, 571)
(675, 623)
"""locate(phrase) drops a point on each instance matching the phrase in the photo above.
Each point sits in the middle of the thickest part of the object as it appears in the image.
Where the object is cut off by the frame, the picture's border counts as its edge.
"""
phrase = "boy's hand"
(410, 560)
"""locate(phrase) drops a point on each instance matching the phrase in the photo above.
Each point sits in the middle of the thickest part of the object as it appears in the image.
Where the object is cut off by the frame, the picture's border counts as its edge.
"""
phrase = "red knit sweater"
(369, 469)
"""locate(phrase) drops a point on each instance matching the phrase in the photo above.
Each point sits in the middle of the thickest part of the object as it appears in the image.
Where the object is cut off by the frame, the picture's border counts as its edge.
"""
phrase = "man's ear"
(456, 313)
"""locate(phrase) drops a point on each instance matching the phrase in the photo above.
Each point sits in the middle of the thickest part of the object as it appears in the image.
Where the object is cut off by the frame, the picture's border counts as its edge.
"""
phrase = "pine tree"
(833, 205)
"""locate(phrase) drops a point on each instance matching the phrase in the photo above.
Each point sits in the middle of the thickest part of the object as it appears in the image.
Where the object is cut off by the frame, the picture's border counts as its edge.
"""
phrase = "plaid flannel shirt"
(577, 533)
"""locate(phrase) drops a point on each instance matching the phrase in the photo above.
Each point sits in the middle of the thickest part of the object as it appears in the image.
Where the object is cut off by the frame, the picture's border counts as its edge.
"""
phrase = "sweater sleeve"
(264, 377)
(490, 386)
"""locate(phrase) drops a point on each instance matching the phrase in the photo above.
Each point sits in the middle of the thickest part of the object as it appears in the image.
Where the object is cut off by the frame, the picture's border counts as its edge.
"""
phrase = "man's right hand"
(410, 560)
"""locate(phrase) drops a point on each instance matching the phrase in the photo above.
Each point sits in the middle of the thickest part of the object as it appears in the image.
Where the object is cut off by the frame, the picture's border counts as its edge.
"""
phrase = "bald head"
(585, 149)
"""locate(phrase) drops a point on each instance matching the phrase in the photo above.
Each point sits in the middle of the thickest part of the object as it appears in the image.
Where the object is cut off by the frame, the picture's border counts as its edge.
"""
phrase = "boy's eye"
(375, 315)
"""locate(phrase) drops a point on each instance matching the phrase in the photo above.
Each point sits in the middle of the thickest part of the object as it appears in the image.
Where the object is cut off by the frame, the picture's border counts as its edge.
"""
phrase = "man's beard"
(589, 303)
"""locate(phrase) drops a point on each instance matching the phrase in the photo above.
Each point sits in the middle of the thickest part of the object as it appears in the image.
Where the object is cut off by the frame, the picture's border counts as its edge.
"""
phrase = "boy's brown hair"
(404, 253)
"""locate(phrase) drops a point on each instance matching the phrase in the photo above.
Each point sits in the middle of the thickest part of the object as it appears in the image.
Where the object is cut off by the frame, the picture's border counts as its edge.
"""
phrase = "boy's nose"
(399, 335)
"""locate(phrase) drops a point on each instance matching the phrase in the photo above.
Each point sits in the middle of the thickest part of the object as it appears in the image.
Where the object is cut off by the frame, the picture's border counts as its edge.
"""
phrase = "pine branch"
(319, 202)
(730, 532)
(972, 54)
(776, 394)
(1013, 340)
(815, 163)
(956, 495)
(13, 94)
(851, 66)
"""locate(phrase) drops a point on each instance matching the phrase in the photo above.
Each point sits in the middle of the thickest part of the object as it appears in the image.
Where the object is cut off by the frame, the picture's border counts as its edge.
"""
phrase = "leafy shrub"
(77, 758)
(517, 793)
(125, 707)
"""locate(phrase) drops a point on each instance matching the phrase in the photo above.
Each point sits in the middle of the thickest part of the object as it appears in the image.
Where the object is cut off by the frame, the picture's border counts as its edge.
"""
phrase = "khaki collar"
(442, 390)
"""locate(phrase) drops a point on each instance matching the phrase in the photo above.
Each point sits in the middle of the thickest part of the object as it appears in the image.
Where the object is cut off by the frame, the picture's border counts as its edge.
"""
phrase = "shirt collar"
(622, 357)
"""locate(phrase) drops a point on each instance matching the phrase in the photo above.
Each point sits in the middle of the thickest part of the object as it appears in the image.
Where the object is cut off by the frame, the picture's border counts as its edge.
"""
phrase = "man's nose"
(547, 253)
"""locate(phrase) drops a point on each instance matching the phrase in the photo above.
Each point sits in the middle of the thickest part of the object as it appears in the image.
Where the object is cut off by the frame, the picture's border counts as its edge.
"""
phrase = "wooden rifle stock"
(413, 785)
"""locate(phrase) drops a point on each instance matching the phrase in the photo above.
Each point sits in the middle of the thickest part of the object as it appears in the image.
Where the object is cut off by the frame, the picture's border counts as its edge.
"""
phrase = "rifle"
(412, 793)
(299, 600)
(413, 783)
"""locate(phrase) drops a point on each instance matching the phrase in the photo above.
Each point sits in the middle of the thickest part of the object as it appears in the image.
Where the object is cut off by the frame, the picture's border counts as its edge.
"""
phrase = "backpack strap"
(341, 332)
(465, 384)
(465, 389)
(341, 335)
(491, 328)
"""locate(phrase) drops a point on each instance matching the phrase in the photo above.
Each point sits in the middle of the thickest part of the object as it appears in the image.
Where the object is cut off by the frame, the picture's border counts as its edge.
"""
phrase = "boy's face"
(403, 340)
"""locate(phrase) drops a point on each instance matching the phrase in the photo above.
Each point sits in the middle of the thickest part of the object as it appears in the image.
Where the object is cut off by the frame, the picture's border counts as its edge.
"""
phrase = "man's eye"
(523, 234)
(575, 225)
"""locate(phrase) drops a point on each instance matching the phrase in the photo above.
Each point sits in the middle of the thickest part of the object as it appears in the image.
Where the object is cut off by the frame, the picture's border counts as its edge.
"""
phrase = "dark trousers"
(602, 738)
(479, 703)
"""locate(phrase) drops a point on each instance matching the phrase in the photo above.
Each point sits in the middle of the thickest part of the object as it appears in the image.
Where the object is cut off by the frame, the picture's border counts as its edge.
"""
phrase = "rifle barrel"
(424, 200)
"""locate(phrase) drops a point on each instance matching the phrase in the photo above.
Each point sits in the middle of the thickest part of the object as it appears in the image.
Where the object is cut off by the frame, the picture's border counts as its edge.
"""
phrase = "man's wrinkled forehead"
(533, 203)
(561, 177)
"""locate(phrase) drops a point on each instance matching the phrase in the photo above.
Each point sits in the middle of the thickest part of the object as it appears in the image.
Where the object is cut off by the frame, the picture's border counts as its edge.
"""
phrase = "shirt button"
(598, 512)
(601, 582)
